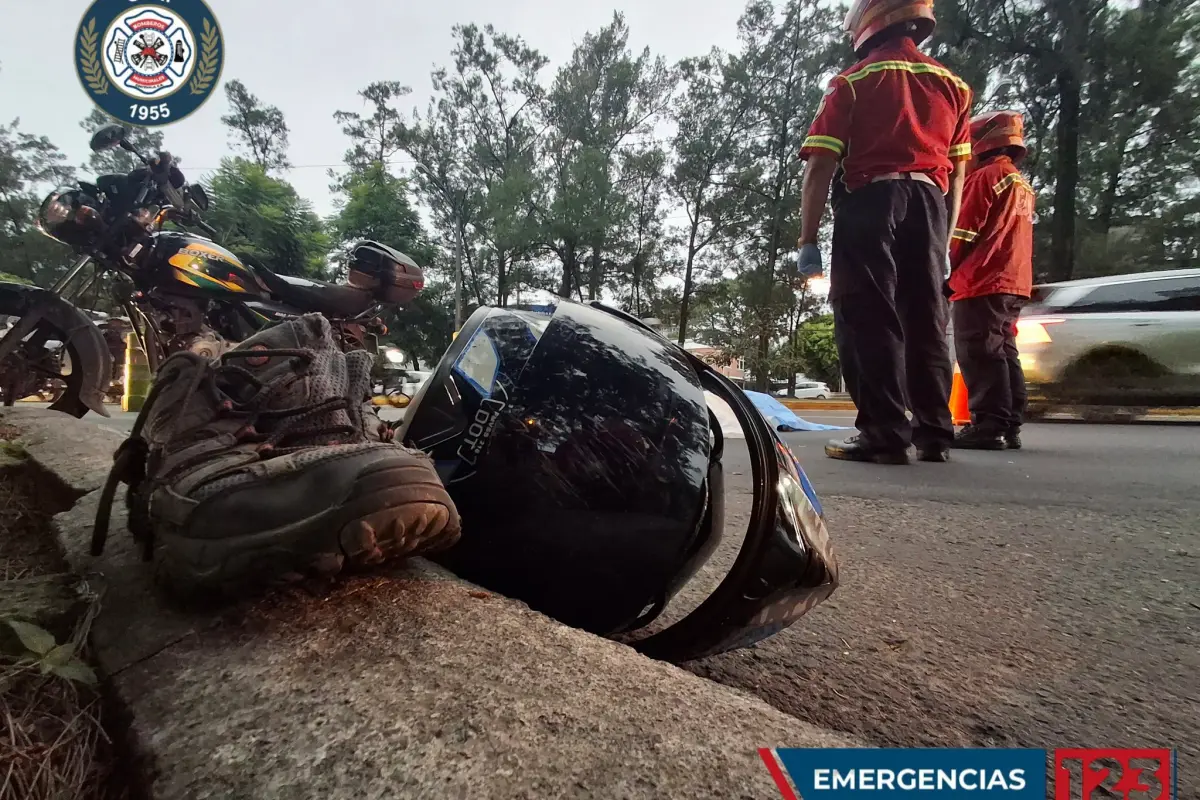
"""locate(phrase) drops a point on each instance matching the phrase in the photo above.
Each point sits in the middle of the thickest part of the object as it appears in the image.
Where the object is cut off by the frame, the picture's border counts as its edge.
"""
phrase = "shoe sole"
(393, 511)
(979, 446)
(934, 458)
(890, 459)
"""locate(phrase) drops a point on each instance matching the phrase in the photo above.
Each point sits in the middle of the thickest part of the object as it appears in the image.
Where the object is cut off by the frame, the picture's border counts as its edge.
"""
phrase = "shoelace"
(129, 462)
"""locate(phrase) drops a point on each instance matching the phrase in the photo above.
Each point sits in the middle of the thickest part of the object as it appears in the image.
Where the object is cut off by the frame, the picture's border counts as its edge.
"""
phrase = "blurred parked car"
(807, 390)
(1114, 346)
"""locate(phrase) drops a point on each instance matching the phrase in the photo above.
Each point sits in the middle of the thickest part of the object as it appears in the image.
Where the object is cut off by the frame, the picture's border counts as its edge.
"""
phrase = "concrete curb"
(818, 405)
(847, 405)
(406, 684)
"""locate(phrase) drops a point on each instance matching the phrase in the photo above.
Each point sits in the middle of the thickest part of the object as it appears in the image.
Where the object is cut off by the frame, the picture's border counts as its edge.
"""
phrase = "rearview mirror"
(108, 137)
(198, 196)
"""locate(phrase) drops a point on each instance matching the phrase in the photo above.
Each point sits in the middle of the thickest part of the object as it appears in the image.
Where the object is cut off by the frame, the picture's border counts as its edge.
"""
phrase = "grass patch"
(52, 738)
(53, 742)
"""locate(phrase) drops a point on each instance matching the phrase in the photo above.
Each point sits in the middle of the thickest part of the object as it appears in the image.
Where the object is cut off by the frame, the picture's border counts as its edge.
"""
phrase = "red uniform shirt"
(991, 250)
(897, 110)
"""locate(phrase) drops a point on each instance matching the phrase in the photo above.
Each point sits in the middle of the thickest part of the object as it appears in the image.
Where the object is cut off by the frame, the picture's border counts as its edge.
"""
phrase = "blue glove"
(809, 261)
(948, 267)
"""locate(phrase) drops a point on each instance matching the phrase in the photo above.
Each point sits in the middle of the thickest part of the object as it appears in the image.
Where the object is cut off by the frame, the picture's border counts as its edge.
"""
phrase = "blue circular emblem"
(149, 62)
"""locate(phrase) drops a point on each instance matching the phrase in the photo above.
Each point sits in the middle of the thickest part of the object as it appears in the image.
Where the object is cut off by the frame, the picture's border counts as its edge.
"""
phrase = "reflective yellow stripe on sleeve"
(826, 142)
(961, 150)
(916, 68)
(964, 235)
(1012, 179)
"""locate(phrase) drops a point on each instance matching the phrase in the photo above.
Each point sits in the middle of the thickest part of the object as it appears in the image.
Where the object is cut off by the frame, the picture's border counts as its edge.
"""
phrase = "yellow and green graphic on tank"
(207, 267)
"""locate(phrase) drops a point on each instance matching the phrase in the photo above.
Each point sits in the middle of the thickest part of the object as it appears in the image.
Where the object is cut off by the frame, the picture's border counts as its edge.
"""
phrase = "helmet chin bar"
(785, 566)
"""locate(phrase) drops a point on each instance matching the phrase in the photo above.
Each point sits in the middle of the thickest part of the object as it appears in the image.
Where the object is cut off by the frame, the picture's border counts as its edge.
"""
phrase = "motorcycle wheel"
(16, 378)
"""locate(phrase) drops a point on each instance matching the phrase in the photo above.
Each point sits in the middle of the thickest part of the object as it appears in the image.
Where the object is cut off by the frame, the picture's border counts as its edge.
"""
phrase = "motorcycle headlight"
(68, 216)
(146, 217)
(54, 212)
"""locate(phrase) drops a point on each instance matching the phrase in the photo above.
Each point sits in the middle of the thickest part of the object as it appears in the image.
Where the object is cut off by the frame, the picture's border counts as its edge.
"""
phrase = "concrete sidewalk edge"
(800, 406)
(411, 683)
(818, 405)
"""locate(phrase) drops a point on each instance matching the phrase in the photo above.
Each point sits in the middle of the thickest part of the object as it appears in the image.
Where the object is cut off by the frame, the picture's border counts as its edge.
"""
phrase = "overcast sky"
(311, 57)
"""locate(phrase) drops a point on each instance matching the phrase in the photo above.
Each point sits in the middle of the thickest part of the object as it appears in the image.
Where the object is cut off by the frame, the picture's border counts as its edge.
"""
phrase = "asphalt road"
(1044, 598)
(1048, 597)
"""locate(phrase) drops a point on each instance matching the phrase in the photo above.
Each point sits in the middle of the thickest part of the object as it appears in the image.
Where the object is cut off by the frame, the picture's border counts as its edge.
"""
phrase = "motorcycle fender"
(78, 331)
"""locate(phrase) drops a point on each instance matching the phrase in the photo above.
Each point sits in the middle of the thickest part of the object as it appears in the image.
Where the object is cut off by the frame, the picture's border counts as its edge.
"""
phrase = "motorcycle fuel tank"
(202, 264)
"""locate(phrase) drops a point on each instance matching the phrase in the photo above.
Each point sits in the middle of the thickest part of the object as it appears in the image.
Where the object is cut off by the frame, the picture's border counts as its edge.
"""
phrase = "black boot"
(858, 449)
(1012, 438)
(972, 437)
(934, 453)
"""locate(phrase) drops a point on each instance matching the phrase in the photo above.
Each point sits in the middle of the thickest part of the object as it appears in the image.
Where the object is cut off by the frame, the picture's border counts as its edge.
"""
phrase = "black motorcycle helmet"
(586, 465)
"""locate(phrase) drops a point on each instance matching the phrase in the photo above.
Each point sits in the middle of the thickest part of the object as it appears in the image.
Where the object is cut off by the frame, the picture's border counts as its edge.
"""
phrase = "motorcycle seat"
(306, 294)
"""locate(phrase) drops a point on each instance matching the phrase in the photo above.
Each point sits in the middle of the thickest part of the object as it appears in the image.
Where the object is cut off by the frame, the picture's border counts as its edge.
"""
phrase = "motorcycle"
(180, 289)
(32, 378)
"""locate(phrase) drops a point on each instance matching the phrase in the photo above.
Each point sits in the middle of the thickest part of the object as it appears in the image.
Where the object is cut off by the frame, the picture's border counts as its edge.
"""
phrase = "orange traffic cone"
(959, 409)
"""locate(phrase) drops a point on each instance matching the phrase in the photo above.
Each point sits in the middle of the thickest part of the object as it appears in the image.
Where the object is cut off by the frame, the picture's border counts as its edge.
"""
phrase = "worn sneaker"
(258, 470)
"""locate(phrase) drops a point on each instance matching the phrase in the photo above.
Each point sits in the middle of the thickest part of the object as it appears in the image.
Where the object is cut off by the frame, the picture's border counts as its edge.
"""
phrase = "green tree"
(259, 130)
(711, 123)
(817, 351)
(495, 86)
(378, 137)
(444, 180)
(264, 219)
(146, 141)
(1045, 44)
(601, 101)
(424, 327)
(640, 238)
(1141, 145)
(376, 206)
(30, 166)
(779, 71)
(1109, 94)
(727, 314)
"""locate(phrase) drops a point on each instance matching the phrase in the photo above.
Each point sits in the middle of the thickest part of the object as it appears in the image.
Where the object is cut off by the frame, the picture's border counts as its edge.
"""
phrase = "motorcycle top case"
(204, 265)
(385, 271)
(580, 451)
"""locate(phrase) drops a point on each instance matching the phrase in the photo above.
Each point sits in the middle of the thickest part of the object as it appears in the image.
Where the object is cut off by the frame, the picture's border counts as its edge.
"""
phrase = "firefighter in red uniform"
(991, 253)
(898, 124)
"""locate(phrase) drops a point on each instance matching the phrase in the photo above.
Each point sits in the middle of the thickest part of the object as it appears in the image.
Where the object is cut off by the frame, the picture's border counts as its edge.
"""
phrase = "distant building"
(734, 369)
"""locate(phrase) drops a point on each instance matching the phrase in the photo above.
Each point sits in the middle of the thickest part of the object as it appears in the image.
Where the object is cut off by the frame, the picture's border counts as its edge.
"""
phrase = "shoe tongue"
(358, 380)
(307, 332)
(181, 404)
(294, 382)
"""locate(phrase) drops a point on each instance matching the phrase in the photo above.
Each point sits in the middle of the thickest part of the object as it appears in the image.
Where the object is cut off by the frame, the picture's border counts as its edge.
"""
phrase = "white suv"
(1126, 340)
(807, 390)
